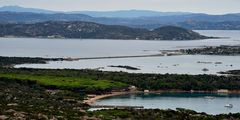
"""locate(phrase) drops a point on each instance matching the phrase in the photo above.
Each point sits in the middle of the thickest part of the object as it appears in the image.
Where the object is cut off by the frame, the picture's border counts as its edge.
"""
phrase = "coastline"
(91, 99)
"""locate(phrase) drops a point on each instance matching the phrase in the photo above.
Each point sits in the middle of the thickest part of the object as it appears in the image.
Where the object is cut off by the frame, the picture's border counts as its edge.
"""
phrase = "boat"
(229, 106)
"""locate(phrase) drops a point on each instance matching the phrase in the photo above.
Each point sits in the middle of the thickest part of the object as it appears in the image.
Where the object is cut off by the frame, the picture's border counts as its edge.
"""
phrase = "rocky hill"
(90, 30)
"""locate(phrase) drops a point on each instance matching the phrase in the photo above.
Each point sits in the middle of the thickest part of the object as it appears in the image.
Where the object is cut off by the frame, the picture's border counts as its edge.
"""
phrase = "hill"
(90, 30)
(133, 18)
(23, 9)
(28, 17)
(189, 21)
(129, 13)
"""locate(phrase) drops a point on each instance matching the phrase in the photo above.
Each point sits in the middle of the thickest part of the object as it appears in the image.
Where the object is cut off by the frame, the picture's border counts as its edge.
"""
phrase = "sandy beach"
(94, 98)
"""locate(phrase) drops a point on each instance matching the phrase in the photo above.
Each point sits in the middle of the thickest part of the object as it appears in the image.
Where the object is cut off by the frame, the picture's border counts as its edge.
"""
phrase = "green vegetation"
(69, 82)
(26, 99)
(89, 30)
(10, 61)
(60, 81)
(86, 79)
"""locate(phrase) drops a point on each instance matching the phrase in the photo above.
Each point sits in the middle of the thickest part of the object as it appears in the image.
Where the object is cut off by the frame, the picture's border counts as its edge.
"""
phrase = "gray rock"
(3, 117)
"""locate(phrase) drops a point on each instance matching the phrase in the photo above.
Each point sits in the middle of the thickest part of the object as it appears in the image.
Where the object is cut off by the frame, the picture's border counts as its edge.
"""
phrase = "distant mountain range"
(22, 9)
(129, 13)
(116, 14)
(89, 30)
(131, 18)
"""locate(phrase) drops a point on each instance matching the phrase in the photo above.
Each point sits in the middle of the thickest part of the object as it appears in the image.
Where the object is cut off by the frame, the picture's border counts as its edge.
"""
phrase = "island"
(223, 50)
(214, 50)
(90, 30)
(11, 61)
(124, 66)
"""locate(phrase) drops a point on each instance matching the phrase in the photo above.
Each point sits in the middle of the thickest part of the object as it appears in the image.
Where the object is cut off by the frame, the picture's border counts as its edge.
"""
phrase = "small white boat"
(229, 106)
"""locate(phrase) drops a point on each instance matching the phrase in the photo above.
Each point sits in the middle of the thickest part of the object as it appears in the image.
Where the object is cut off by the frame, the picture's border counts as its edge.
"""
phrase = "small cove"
(211, 103)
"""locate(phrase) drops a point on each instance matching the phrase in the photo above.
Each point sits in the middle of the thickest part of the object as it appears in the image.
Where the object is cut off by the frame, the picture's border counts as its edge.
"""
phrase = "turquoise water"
(193, 101)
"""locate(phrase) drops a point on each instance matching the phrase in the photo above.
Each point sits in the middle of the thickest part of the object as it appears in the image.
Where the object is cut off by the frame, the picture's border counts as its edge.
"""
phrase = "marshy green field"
(47, 78)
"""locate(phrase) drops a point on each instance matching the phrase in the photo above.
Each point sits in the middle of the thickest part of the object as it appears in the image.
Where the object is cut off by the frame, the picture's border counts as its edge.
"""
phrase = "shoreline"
(91, 98)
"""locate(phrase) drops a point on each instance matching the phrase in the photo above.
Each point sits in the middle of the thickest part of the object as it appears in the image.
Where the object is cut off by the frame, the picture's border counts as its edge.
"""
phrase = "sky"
(197, 6)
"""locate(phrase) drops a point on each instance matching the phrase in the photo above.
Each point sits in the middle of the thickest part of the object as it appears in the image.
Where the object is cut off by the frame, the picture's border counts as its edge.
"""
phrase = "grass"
(66, 82)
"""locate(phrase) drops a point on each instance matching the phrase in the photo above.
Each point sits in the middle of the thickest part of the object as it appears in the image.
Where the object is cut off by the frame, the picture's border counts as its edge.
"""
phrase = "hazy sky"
(202, 6)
